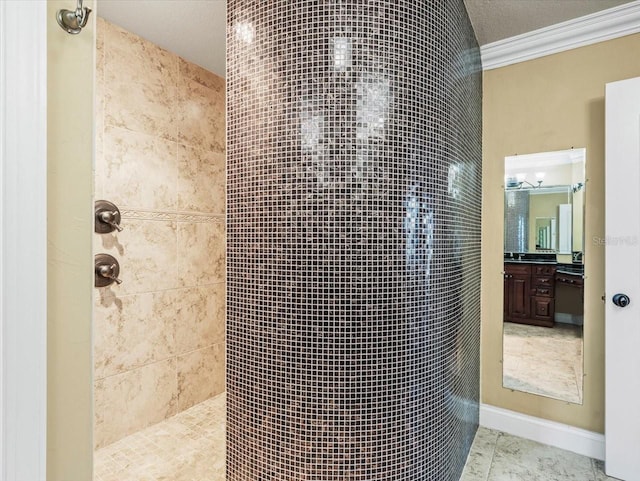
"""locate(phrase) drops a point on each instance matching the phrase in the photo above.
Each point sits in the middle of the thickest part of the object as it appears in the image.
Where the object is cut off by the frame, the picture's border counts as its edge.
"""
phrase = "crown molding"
(600, 26)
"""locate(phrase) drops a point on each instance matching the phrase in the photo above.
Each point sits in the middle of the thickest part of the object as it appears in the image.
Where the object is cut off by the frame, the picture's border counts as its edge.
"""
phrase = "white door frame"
(23, 240)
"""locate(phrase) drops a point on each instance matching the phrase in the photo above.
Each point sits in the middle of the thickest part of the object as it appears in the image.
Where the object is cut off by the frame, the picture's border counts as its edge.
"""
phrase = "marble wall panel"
(147, 253)
(200, 310)
(132, 331)
(205, 78)
(133, 400)
(202, 253)
(169, 310)
(140, 170)
(195, 128)
(146, 108)
(201, 180)
(197, 380)
(136, 60)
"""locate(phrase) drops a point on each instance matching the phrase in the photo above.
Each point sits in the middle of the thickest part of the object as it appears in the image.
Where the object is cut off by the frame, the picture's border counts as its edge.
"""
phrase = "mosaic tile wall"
(516, 221)
(354, 173)
(160, 157)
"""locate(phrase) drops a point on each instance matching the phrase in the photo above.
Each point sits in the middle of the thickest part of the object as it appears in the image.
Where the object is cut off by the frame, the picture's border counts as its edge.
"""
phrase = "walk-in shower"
(354, 165)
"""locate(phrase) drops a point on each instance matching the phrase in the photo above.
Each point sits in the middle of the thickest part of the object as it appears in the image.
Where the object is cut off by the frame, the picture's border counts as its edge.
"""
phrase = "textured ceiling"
(499, 19)
(195, 29)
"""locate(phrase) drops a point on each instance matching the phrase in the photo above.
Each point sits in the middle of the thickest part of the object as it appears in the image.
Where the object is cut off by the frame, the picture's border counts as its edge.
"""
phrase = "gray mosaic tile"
(353, 252)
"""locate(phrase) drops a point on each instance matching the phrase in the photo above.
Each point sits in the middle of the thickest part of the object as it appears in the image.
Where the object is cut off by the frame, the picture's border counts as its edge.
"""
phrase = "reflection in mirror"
(544, 274)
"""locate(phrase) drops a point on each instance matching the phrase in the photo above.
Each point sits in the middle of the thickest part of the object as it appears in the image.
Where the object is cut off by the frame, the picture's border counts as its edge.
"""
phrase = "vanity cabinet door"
(519, 294)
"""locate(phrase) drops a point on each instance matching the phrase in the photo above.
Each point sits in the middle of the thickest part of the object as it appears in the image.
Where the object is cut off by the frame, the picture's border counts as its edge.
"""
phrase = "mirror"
(545, 233)
(544, 274)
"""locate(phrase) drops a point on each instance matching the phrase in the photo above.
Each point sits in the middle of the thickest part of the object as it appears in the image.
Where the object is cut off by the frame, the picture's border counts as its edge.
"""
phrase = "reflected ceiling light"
(244, 32)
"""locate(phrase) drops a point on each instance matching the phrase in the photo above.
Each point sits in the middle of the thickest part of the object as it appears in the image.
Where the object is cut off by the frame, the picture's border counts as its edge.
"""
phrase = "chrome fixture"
(73, 21)
(107, 217)
(107, 270)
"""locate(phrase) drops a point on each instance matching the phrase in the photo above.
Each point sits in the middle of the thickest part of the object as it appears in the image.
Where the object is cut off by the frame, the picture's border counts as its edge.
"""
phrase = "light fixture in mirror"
(544, 274)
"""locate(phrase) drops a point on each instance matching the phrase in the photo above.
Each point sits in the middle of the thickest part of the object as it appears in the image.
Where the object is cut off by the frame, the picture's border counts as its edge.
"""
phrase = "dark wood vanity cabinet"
(529, 291)
(517, 289)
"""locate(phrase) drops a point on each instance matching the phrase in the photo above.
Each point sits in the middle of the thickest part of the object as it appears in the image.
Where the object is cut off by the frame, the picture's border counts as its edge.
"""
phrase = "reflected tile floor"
(544, 360)
(190, 446)
(497, 456)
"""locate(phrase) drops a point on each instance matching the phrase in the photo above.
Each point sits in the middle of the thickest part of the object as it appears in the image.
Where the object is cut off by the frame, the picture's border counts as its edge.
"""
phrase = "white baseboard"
(560, 435)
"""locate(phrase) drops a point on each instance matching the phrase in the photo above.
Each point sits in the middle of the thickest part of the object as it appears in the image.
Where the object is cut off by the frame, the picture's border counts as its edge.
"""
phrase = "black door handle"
(621, 300)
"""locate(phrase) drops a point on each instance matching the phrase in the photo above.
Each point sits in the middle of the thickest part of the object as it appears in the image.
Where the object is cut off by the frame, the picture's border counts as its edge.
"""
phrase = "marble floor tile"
(517, 459)
(189, 446)
(497, 456)
(480, 456)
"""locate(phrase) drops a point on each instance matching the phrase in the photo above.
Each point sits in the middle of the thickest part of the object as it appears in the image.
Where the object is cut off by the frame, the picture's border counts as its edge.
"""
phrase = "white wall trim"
(600, 26)
(560, 435)
(23, 239)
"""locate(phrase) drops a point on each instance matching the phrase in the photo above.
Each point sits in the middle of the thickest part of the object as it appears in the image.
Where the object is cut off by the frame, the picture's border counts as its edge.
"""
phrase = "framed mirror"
(544, 274)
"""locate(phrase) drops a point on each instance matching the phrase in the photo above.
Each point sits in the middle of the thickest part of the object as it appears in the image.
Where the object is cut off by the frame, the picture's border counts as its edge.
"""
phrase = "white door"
(622, 344)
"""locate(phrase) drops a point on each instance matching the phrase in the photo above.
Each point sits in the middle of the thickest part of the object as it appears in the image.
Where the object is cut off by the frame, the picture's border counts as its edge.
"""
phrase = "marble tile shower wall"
(354, 173)
(159, 337)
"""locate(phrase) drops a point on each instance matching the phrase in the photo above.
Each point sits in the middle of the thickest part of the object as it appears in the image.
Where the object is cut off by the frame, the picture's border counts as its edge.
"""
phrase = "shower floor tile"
(497, 456)
(190, 446)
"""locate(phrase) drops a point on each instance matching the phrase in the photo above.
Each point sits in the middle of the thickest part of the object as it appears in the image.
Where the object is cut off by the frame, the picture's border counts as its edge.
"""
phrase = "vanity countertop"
(571, 269)
(567, 269)
(528, 261)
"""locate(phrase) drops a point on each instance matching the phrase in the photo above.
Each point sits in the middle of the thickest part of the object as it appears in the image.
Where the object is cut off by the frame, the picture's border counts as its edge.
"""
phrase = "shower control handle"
(107, 270)
(107, 217)
(108, 273)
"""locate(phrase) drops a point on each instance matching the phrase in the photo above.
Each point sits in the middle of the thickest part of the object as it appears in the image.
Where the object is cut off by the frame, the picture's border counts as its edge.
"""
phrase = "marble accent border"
(599, 26)
(172, 216)
(551, 433)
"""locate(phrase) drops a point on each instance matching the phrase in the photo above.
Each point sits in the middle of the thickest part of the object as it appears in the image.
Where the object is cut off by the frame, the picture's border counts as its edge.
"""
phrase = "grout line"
(493, 453)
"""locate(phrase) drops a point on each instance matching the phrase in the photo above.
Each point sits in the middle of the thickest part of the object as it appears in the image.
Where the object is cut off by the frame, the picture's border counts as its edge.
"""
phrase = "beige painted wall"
(551, 103)
(160, 157)
(70, 269)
